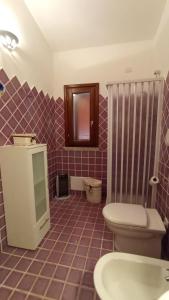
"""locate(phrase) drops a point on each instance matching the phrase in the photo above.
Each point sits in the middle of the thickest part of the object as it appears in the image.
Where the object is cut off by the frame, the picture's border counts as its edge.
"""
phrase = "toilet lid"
(126, 214)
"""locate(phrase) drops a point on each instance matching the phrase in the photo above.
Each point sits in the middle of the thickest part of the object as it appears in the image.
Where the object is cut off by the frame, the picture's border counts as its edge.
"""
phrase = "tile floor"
(62, 266)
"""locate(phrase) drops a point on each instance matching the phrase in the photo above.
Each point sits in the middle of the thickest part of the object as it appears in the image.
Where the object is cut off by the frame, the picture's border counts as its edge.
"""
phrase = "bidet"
(123, 276)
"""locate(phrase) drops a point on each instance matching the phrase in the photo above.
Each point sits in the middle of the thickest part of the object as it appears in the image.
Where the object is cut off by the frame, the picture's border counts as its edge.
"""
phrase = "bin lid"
(92, 182)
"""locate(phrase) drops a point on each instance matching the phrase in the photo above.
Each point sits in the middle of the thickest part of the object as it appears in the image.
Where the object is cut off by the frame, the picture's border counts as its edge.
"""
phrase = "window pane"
(81, 116)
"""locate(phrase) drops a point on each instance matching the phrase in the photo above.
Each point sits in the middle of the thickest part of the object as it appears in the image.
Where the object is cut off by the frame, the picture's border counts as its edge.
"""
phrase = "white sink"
(122, 276)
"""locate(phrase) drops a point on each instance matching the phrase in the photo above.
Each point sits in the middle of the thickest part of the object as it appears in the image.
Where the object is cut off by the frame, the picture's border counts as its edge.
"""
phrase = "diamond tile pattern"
(23, 109)
(162, 202)
(69, 275)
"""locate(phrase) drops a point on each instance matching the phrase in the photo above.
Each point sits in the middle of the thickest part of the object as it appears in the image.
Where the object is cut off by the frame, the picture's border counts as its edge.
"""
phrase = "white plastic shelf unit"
(26, 197)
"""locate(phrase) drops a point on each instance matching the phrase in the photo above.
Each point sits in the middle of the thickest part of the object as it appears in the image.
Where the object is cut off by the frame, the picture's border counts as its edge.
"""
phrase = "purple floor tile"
(105, 251)
(86, 294)
(4, 293)
(90, 264)
(94, 252)
(67, 255)
(61, 273)
(26, 282)
(48, 270)
(55, 289)
(13, 279)
(40, 286)
(74, 239)
(3, 274)
(97, 234)
(31, 253)
(42, 254)
(107, 245)
(82, 251)
(23, 264)
(107, 236)
(96, 243)
(77, 231)
(54, 257)
(59, 246)
(85, 241)
(35, 267)
(12, 261)
(19, 251)
(87, 233)
(53, 235)
(66, 259)
(18, 296)
(70, 248)
(70, 292)
(8, 249)
(32, 297)
(79, 262)
(74, 276)
(87, 279)
(3, 258)
(48, 244)
(63, 237)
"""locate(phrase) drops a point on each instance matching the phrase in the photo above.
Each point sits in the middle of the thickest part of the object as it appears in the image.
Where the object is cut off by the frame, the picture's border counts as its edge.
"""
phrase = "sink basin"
(122, 276)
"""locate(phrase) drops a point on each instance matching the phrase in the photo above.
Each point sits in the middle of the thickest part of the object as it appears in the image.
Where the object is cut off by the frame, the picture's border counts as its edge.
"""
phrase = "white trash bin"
(93, 189)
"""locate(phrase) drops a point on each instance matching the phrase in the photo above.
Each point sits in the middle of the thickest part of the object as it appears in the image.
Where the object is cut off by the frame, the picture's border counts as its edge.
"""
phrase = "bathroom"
(75, 43)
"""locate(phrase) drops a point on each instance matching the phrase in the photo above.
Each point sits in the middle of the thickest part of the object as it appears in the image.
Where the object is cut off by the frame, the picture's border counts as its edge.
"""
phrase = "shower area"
(134, 118)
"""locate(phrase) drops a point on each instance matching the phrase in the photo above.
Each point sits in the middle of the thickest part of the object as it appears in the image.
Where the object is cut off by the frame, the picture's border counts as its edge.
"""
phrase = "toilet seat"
(126, 214)
(135, 229)
(134, 217)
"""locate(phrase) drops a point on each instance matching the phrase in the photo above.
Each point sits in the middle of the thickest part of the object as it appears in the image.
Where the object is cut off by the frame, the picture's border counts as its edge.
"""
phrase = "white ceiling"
(72, 24)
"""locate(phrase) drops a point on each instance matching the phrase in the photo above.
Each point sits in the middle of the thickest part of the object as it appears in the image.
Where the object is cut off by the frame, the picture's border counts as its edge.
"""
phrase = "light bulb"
(8, 39)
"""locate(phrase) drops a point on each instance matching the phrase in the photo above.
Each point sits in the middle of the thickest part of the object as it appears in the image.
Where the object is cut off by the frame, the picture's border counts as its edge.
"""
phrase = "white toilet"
(136, 230)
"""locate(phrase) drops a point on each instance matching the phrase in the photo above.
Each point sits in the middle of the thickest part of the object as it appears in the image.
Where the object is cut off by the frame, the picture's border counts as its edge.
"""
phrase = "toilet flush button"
(167, 138)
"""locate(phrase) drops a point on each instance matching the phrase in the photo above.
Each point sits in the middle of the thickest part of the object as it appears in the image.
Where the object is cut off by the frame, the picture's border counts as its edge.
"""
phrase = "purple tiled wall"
(162, 202)
(82, 163)
(24, 109)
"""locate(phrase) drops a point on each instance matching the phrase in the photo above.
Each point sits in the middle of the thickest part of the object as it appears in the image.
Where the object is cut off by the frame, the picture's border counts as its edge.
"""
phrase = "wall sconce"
(8, 39)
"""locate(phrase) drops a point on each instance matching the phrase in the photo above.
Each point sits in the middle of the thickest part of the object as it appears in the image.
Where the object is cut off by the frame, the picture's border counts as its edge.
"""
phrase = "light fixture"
(8, 39)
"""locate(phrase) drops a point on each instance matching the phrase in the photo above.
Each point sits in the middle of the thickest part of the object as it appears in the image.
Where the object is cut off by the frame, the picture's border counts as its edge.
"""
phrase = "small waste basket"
(93, 189)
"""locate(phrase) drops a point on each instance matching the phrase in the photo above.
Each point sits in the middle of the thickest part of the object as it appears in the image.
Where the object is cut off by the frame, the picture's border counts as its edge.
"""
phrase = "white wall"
(32, 61)
(161, 43)
(103, 64)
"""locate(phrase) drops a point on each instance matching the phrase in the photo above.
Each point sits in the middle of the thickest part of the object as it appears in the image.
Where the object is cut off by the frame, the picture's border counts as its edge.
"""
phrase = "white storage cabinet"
(26, 196)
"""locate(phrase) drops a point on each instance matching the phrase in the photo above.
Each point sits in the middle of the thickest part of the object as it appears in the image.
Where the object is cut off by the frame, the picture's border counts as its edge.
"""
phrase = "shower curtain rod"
(134, 81)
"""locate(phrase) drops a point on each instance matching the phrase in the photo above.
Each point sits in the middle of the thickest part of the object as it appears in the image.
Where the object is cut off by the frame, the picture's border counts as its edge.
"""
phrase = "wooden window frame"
(69, 90)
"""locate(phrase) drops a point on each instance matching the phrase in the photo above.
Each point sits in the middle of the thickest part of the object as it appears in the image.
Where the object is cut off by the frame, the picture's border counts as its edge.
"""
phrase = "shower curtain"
(134, 117)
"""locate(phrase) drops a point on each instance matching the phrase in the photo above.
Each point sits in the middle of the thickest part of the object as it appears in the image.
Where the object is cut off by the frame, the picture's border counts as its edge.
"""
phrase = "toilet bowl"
(136, 230)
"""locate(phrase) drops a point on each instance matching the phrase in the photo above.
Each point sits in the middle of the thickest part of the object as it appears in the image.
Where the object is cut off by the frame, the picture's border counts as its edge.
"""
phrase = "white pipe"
(133, 144)
(122, 144)
(145, 147)
(139, 141)
(117, 119)
(134, 81)
(109, 148)
(128, 133)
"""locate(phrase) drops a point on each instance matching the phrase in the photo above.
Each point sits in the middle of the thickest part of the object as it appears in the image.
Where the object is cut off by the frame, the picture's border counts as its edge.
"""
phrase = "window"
(81, 115)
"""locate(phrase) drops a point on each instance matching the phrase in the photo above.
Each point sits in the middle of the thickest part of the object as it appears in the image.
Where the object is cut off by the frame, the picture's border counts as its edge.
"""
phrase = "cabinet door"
(39, 177)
